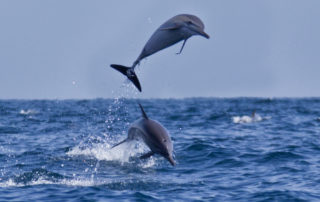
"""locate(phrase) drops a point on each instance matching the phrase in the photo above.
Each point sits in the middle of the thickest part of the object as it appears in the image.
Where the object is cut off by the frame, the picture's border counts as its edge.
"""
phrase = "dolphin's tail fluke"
(129, 72)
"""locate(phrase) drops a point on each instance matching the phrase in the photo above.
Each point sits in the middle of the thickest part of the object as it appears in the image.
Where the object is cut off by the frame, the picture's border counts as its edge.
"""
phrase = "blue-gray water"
(60, 150)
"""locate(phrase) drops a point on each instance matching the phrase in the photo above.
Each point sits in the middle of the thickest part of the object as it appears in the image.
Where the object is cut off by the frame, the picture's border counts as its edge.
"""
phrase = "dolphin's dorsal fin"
(253, 114)
(143, 113)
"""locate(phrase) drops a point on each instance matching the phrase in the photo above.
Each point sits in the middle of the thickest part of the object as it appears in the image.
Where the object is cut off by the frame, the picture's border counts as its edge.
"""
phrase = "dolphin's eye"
(189, 22)
(164, 140)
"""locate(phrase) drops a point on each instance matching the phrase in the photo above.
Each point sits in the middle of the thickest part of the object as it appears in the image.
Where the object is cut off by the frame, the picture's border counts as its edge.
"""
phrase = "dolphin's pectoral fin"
(147, 155)
(184, 42)
(119, 143)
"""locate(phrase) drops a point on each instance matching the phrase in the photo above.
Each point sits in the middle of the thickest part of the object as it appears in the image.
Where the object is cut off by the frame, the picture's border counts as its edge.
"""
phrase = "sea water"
(60, 150)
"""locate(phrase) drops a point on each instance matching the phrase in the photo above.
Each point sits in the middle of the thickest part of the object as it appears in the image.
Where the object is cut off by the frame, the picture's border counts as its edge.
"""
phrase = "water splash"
(121, 153)
(248, 119)
(82, 182)
(151, 162)
(118, 110)
(27, 112)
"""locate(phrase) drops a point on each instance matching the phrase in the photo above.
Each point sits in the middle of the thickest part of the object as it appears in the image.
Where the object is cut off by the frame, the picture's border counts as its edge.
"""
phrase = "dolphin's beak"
(202, 33)
(170, 159)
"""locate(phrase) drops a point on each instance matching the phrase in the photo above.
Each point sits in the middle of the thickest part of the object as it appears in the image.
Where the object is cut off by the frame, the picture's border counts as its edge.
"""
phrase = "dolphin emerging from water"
(178, 28)
(153, 134)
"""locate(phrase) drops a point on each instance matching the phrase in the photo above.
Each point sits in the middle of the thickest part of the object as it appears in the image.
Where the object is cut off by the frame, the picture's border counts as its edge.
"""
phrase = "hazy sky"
(63, 49)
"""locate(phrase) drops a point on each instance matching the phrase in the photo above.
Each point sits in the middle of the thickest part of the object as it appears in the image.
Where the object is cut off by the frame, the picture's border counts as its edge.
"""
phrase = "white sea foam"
(104, 151)
(41, 181)
(27, 112)
(12, 183)
(149, 163)
(9, 183)
(80, 182)
(248, 119)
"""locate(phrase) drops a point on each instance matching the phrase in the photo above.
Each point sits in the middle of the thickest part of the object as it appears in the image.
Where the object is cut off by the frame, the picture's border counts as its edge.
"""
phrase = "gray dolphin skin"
(153, 134)
(179, 28)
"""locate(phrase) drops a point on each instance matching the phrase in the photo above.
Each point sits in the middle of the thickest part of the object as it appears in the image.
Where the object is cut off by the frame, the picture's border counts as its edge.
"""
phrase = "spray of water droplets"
(99, 146)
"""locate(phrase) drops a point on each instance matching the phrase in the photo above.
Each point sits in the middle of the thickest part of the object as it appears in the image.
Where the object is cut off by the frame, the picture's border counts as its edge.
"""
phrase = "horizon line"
(165, 98)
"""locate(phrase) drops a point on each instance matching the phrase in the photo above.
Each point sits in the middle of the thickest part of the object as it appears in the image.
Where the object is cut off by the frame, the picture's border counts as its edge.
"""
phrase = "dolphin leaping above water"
(153, 134)
(178, 28)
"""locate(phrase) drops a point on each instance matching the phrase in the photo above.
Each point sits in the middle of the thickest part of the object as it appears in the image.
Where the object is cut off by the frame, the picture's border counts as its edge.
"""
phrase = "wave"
(43, 181)
(27, 112)
(280, 156)
(249, 119)
(246, 119)
(44, 177)
(277, 195)
(34, 177)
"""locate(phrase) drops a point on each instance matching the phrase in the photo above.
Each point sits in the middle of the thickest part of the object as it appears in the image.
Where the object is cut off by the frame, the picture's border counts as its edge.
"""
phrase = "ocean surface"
(60, 150)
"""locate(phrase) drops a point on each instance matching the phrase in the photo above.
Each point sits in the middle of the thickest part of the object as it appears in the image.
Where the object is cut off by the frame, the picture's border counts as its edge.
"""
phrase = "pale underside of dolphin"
(178, 28)
(153, 134)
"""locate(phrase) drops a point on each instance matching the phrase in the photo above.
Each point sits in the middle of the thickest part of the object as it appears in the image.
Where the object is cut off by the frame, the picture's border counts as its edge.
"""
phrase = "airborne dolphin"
(178, 28)
(153, 134)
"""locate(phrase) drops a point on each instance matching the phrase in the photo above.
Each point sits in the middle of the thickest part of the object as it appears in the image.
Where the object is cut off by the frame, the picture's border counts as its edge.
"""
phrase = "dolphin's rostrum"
(153, 134)
(178, 28)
